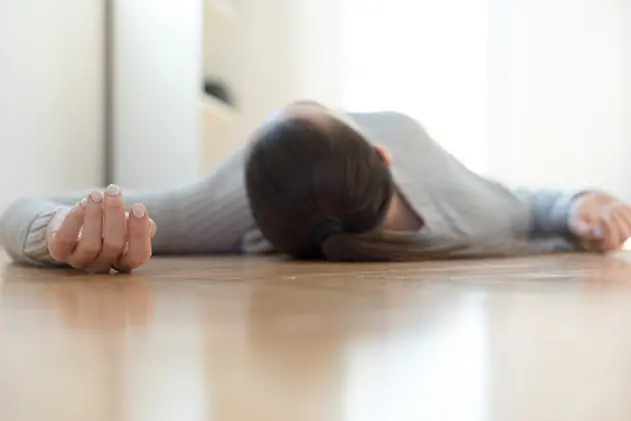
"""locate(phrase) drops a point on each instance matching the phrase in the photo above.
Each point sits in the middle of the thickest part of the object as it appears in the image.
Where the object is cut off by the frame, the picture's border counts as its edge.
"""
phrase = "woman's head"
(316, 185)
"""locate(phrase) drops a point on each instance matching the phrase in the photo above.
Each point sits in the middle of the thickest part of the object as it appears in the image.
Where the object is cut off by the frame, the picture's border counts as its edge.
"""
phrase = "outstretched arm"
(589, 219)
(210, 216)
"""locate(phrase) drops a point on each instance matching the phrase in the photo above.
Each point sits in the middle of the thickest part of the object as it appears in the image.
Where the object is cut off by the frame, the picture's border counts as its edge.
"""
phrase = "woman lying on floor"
(357, 187)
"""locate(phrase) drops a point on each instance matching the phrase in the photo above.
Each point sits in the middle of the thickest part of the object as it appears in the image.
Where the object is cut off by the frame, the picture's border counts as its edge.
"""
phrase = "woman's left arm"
(591, 219)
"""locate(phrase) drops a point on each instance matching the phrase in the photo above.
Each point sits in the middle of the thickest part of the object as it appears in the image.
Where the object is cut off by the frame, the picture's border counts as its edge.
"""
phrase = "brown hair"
(322, 190)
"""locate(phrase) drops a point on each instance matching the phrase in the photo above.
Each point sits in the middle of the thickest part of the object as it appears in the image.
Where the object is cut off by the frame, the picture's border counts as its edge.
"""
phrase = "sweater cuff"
(35, 242)
(563, 211)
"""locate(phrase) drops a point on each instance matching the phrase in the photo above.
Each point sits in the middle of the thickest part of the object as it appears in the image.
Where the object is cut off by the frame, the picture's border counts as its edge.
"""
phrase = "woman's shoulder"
(396, 131)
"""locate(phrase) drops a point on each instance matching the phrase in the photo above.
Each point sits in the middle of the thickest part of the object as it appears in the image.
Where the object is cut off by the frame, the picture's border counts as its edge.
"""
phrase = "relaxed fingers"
(114, 227)
(611, 236)
(596, 246)
(139, 229)
(92, 233)
(65, 239)
(623, 215)
(154, 227)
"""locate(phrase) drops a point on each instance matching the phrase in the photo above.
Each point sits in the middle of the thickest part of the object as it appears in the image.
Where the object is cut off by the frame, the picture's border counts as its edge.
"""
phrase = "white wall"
(289, 52)
(272, 73)
(158, 77)
(531, 91)
(426, 58)
(293, 50)
(51, 97)
(157, 82)
(560, 100)
(319, 50)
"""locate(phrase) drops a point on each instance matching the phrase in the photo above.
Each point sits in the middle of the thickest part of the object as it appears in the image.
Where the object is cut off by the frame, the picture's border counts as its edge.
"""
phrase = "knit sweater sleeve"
(210, 216)
(550, 210)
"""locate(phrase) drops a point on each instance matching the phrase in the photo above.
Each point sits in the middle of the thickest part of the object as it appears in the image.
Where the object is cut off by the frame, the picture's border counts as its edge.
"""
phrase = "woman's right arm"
(210, 216)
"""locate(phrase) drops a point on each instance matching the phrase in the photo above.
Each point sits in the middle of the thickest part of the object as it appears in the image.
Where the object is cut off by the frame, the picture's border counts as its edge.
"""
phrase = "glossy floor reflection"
(258, 339)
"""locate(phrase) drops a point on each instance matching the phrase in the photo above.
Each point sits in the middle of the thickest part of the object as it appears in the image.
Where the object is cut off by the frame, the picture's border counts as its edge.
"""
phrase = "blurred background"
(155, 93)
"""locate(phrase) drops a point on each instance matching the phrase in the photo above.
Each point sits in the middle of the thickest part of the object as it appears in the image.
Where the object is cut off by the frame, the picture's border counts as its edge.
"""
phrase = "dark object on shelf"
(218, 89)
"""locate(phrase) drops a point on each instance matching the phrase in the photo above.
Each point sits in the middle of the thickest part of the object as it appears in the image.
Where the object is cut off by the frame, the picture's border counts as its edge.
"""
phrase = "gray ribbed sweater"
(212, 216)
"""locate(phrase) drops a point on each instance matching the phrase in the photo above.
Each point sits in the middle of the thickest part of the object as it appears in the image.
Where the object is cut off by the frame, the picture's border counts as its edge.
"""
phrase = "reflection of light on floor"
(436, 372)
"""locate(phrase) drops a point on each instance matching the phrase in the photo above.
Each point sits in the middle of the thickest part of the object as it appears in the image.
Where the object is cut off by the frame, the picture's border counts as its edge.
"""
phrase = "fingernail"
(96, 196)
(138, 211)
(83, 202)
(113, 190)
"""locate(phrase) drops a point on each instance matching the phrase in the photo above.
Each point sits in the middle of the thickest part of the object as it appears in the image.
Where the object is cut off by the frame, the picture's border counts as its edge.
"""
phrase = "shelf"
(217, 108)
(224, 9)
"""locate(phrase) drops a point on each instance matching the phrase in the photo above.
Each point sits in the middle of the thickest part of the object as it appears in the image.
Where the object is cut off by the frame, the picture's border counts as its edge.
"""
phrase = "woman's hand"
(97, 235)
(602, 222)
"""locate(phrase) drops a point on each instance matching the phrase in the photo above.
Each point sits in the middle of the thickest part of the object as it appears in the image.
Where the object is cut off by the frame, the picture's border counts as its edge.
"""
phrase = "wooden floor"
(232, 339)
